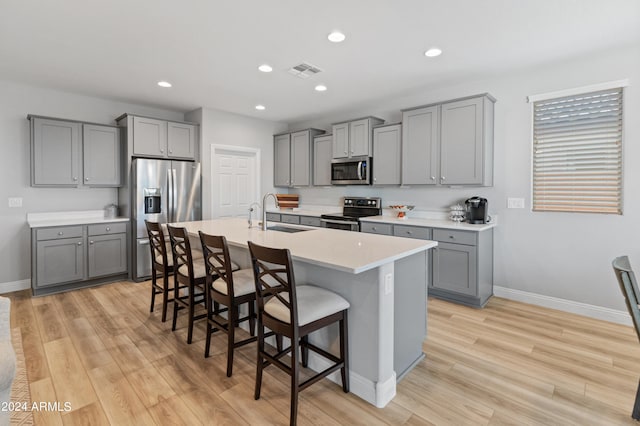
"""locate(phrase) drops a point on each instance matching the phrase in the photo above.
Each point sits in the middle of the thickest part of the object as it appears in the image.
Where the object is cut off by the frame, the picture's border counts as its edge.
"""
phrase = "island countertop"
(352, 252)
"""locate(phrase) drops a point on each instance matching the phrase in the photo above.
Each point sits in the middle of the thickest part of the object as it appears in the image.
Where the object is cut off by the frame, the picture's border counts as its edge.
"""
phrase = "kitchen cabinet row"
(461, 265)
(449, 143)
(69, 153)
(74, 256)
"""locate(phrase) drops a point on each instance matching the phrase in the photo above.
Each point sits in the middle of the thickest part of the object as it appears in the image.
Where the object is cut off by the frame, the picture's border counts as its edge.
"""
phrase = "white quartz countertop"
(352, 252)
(432, 223)
(40, 220)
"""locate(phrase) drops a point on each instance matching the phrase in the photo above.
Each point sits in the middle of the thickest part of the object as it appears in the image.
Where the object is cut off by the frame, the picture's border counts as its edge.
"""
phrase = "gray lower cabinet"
(387, 148)
(322, 155)
(290, 218)
(294, 219)
(463, 266)
(69, 257)
(376, 228)
(67, 153)
(273, 217)
(310, 221)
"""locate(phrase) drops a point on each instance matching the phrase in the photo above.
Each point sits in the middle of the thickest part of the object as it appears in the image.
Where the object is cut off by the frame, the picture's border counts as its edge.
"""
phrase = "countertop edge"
(430, 223)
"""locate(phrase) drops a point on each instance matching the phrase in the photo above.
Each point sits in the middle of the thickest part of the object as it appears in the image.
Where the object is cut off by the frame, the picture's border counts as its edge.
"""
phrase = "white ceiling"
(210, 49)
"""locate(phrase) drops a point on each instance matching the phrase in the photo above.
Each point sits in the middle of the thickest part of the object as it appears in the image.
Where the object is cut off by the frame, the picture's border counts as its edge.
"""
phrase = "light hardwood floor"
(509, 363)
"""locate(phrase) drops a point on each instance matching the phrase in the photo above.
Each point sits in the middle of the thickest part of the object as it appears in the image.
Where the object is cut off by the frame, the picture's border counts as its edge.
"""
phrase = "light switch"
(515, 203)
(15, 201)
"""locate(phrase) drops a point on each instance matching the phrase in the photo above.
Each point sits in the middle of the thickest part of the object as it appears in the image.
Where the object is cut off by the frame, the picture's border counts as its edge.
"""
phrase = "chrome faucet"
(264, 208)
(251, 212)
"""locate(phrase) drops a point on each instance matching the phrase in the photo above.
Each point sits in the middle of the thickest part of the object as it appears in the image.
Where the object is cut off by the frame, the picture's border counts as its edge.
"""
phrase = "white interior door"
(234, 181)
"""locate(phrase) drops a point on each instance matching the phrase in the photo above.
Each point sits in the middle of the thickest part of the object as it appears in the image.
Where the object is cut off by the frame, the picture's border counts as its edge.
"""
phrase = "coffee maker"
(477, 210)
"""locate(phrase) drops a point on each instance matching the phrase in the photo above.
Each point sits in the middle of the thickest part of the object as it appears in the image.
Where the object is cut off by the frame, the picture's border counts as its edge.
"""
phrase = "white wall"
(225, 128)
(563, 255)
(16, 102)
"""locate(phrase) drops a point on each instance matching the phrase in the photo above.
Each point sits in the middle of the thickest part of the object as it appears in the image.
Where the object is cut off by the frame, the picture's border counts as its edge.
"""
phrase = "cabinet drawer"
(289, 218)
(376, 228)
(59, 232)
(273, 217)
(107, 228)
(310, 221)
(456, 237)
(412, 232)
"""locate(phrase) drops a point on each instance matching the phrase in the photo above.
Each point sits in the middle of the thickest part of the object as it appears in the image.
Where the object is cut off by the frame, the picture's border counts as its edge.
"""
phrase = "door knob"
(79, 243)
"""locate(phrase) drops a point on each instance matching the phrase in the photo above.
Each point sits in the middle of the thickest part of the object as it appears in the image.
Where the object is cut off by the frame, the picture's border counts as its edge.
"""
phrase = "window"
(577, 152)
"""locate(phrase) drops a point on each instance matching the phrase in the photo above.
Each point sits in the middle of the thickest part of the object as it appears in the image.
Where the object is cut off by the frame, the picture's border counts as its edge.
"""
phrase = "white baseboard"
(10, 286)
(593, 311)
(375, 393)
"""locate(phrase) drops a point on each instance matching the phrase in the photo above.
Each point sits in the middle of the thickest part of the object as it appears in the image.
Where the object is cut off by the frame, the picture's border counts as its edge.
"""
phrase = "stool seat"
(314, 303)
(242, 283)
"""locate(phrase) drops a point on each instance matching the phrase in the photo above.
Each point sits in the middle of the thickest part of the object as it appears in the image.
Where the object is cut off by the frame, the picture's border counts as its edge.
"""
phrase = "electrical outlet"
(515, 203)
(15, 201)
(388, 284)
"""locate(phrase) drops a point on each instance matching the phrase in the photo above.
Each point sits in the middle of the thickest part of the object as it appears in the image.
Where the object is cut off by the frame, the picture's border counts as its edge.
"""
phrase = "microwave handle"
(359, 170)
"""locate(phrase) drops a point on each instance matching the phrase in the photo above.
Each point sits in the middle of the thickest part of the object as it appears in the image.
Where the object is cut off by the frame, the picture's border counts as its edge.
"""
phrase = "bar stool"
(161, 266)
(189, 276)
(294, 312)
(229, 288)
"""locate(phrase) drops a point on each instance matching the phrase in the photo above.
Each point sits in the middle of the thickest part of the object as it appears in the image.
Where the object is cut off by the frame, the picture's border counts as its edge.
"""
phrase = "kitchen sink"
(286, 229)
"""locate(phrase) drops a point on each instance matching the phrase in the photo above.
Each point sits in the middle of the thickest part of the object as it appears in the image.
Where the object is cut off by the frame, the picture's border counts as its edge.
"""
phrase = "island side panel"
(370, 328)
(410, 313)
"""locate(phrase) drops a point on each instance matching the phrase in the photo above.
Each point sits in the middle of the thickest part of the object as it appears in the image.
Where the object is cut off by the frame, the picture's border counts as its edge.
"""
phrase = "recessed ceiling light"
(260, 107)
(164, 84)
(321, 88)
(433, 52)
(265, 68)
(336, 37)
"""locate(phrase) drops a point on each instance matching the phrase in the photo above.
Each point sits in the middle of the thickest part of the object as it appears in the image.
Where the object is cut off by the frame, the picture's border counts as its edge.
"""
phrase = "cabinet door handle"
(170, 152)
(408, 232)
(433, 178)
(108, 229)
(442, 177)
(452, 237)
(90, 242)
(162, 150)
(60, 233)
(86, 179)
(75, 178)
(374, 228)
(79, 243)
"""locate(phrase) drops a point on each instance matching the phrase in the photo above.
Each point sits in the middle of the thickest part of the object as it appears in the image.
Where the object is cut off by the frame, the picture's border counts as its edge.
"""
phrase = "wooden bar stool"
(294, 312)
(161, 266)
(228, 287)
(188, 276)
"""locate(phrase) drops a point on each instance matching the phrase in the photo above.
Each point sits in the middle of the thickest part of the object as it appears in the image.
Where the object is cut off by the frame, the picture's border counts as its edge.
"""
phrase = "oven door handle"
(341, 222)
(359, 170)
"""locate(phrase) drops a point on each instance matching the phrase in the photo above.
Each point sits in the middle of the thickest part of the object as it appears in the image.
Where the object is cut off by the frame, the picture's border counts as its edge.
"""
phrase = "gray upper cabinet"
(70, 154)
(282, 160)
(322, 154)
(181, 140)
(354, 138)
(55, 151)
(466, 142)
(420, 146)
(163, 139)
(387, 154)
(149, 137)
(449, 144)
(301, 159)
(341, 140)
(293, 158)
(101, 155)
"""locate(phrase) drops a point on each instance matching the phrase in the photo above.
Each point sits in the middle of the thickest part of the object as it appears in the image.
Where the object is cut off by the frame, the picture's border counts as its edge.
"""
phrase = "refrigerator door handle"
(169, 196)
(174, 195)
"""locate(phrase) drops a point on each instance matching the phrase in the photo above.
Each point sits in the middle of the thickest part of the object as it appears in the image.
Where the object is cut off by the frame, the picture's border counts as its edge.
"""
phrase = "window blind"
(577, 153)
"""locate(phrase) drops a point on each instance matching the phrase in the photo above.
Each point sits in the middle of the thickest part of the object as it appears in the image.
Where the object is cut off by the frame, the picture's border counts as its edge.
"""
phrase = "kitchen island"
(384, 279)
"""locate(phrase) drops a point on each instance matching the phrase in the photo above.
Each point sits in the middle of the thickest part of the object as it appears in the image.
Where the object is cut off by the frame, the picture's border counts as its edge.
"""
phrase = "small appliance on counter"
(111, 211)
(477, 210)
(458, 213)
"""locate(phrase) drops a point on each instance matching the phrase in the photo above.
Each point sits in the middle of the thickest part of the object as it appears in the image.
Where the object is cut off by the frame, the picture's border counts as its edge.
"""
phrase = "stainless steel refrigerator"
(163, 191)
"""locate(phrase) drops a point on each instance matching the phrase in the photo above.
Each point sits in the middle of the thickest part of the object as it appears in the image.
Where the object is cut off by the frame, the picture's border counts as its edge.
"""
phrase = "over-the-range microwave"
(351, 171)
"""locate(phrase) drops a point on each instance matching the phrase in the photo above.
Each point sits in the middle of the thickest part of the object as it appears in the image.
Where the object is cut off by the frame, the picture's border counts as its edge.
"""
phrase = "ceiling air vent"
(304, 70)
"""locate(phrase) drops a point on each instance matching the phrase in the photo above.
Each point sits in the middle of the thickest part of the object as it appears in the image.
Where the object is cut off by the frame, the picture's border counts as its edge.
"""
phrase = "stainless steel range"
(353, 208)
